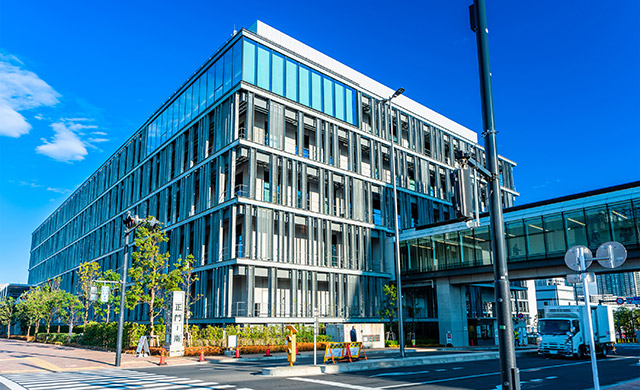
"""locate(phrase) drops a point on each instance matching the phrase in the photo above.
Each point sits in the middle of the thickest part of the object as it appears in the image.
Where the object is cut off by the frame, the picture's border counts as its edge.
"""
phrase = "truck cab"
(563, 331)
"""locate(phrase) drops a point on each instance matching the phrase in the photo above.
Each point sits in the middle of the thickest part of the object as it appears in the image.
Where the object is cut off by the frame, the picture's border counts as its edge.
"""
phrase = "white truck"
(563, 331)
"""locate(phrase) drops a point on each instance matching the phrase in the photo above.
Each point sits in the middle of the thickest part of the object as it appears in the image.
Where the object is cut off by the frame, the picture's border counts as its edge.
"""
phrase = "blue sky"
(77, 78)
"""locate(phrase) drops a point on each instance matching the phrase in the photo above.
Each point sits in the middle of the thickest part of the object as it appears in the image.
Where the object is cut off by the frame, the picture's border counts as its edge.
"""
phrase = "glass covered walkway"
(533, 232)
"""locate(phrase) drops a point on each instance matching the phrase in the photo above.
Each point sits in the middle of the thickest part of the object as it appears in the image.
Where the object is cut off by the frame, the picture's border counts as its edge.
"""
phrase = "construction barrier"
(344, 351)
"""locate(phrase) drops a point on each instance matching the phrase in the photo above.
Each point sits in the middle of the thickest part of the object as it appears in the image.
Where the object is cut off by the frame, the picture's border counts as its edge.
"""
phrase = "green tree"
(71, 310)
(30, 308)
(52, 301)
(627, 320)
(389, 302)
(88, 272)
(7, 313)
(104, 309)
(149, 272)
(189, 278)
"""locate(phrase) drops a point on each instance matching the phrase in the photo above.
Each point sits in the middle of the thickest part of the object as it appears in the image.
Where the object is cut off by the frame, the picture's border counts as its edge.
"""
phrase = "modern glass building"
(271, 166)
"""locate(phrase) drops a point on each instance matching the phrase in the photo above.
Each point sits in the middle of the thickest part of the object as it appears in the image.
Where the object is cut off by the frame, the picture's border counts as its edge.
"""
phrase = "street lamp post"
(397, 93)
(509, 371)
(131, 223)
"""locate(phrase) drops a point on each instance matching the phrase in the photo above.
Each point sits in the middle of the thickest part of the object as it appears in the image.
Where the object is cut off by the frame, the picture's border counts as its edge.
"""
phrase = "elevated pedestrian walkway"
(537, 237)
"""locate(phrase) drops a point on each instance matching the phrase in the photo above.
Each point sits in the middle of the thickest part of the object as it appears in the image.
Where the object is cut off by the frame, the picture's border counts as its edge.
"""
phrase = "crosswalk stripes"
(108, 379)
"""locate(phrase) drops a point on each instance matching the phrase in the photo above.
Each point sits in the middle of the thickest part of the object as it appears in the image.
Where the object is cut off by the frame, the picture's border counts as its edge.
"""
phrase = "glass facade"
(201, 94)
(549, 235)
(266, 69)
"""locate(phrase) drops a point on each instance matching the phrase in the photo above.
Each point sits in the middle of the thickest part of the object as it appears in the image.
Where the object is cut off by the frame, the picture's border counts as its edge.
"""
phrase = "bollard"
(201, 359)
(162, 361)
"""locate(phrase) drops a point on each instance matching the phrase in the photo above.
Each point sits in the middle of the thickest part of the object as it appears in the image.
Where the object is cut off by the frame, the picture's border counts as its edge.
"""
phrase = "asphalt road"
(536, 373)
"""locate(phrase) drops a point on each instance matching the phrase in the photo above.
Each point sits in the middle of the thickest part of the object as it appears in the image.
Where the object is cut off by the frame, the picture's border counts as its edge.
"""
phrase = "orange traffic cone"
(162, 362)
(201, 359)
(268, 351)
(237, 352)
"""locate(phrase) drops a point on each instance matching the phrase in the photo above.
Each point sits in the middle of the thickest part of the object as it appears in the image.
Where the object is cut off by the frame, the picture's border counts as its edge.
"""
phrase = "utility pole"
(397, 93)
(509, 372)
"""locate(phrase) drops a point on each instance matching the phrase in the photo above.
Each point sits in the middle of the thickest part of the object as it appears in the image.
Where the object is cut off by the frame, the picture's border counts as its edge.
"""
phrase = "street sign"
(575, 278)
(104, 294)
(611, 254)
(520, 315)
(93, 293)
(572, 257)
(620, 300)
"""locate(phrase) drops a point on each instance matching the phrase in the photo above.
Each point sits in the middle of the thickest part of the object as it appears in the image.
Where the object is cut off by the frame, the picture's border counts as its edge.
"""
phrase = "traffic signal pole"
(509, 372)
(123, 284)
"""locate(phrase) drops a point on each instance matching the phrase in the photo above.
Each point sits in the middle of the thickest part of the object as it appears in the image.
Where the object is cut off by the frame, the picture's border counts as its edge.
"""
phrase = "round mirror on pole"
(572, 257)
(611, 254)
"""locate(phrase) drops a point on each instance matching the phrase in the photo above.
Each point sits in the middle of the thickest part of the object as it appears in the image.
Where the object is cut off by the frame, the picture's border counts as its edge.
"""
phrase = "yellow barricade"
(339, 351)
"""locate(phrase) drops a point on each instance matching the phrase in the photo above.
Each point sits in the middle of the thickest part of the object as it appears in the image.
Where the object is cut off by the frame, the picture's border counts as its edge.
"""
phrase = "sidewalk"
(19, 356)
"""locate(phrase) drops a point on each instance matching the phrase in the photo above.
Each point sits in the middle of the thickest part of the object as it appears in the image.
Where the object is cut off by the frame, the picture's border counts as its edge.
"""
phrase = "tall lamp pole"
(509, 371)
(397, 93)
(131, 223)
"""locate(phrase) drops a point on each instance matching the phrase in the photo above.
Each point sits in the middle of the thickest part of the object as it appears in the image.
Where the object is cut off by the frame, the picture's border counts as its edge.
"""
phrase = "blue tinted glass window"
(171, 130)
(228, 70)
(264, 67)
(350, 104)
(154, 136)
(187, 104)
(181, 110)
(328, 96)
(237, 63)
(203, 92)
(316, 91)
(195, 99)
(292, 80)
(339, 98)
(303, 77)
(163, 127)
(248, 62)
(219, 77)
(277, 74)
(211, 89)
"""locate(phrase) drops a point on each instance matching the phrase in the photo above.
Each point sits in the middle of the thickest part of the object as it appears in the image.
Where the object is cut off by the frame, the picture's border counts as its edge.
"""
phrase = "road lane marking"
(533, 369)
(334, 384)
(10, 384)
(441, 369)
(400, 373)
(551, 377)
(458, 368)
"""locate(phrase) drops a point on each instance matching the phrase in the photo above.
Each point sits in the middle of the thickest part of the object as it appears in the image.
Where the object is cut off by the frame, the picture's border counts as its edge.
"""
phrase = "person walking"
(354, 334)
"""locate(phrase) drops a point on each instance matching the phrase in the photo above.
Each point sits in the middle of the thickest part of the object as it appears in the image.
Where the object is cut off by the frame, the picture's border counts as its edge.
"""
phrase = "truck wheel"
(582, 352)
(605, 351)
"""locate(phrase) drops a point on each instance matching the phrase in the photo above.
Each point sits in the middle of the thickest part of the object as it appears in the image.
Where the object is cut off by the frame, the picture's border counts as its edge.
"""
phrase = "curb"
(376, 364)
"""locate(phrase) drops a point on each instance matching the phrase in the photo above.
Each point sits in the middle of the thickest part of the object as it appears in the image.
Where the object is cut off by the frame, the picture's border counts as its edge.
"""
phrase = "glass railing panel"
(553, 228)
(598, 228)
(622, 223)
(576, 229)
(515, 240)
(535, 237)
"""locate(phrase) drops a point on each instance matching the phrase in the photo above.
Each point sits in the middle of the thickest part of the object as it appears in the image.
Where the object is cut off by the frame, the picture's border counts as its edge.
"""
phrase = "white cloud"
(65, 145)
(58, 190)
(20, 90)
(31, 184)
(70, 142)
